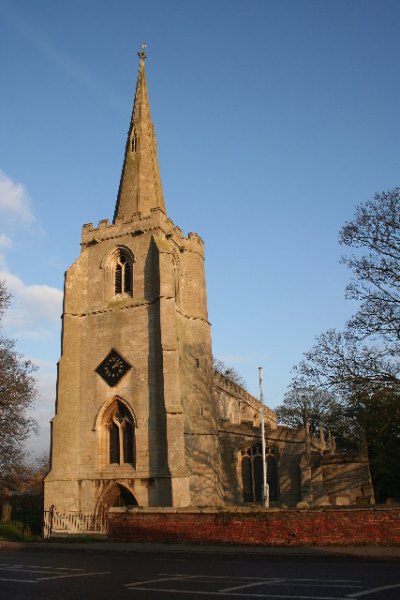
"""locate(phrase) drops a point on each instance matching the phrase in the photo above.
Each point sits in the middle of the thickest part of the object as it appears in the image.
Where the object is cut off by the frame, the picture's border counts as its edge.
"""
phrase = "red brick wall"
(259, 527)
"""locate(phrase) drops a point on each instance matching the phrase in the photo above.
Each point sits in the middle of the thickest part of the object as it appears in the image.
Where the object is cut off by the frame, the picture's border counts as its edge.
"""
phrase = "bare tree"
(376, 283)
(360, 365)
(229, 373)
(17, 393)
(367, 353)
(319, 407)
(26, 476)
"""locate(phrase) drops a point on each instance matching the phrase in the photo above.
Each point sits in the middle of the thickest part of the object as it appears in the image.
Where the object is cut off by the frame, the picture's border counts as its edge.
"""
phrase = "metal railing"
(59, 523)
(19, 523)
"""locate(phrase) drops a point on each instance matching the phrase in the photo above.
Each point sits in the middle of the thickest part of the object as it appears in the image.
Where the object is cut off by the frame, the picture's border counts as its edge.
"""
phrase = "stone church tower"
(135, 422)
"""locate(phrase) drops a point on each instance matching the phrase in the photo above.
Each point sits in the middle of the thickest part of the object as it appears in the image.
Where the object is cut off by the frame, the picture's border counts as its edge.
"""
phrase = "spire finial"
(142, 54)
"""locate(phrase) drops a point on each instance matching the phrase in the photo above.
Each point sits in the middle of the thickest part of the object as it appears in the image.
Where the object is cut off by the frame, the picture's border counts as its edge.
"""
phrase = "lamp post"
(265, 487)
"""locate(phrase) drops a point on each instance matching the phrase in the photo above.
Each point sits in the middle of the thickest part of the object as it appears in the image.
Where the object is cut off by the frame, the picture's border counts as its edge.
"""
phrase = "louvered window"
(127, 277)
(123, 272)
(118, 279)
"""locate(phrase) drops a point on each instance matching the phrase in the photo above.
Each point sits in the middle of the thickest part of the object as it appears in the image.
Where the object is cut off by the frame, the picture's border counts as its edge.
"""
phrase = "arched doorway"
(116, 495)
(123, 497)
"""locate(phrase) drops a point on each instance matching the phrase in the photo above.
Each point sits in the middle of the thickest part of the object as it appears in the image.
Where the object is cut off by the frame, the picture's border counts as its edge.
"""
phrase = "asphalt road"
(74, 574)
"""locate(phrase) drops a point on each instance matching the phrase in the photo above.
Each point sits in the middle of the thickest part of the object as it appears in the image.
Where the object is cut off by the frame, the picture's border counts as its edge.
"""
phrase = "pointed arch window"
(120, 426)
(272, 475)
(252, 473)
(123, 272)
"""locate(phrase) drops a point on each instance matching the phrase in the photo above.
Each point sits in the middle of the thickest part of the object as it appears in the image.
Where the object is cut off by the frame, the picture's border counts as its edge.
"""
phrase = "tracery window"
(121, 434)
(123, 271)
(252, 473)
(272, 475)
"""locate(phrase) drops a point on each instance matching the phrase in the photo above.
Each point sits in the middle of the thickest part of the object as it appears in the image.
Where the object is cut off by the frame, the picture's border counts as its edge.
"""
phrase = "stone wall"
(257, 526)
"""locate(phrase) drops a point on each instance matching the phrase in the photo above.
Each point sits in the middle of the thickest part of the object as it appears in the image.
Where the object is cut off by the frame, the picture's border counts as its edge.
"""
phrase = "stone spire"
(140, 185)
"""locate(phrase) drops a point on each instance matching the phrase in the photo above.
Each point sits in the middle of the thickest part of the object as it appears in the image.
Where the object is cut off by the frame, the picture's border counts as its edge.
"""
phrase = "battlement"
(152, 220)
(194, 237)
(251, 408)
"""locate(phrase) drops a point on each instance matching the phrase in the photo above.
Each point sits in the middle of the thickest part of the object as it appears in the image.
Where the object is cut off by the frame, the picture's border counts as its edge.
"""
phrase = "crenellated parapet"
(154, 221)
(236, 405)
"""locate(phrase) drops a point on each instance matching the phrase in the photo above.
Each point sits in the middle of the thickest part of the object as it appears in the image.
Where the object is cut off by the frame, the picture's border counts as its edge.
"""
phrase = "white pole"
(265, 491)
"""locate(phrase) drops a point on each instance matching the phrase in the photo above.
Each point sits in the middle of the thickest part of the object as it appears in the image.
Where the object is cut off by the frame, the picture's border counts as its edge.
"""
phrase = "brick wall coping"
(257, 526)
(235, 510)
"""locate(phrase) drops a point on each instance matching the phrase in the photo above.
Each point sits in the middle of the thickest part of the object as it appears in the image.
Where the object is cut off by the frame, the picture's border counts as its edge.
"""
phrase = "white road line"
(170, 578)
(205, 593)
(291, 582)
(327, 581)
(254, 584)
(66, 576)
(19, 580)
(227, 577)
(46, 567)
(27, 570)
(373, 590)
(234, 578)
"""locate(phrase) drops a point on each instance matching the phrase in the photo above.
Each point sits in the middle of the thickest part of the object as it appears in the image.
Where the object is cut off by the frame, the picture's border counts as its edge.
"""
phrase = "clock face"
(112, 368)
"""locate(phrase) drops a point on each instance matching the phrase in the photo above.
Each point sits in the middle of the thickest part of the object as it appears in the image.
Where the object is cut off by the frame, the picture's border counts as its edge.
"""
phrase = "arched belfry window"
(123, 273)
(119, 273)
(252, 473)
(120, 427)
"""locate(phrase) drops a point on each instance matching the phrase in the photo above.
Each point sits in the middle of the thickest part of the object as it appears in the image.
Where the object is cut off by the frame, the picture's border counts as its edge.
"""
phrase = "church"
(141, 417)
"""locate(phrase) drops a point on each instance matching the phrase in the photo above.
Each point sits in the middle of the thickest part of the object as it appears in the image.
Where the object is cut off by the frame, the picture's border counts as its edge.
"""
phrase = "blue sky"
(274, 119)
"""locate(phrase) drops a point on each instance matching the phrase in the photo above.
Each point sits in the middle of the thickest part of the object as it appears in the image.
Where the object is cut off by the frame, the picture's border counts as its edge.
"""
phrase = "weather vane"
(141, 54)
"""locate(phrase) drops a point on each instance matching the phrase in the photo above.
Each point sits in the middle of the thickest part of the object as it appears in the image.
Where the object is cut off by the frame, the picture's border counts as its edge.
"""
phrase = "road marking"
(244, 583)
(48, 572)
(373, 590)
(51, 568)
(235, 578)
(25, 570)
(66, 575)
(254, 584)
(297, 582)
(205, 593)
(170, 578)
(322, 585)
(19, 580)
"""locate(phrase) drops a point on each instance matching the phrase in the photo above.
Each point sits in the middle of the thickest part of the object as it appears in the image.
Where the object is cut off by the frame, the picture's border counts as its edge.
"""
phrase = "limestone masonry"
(141, 417)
